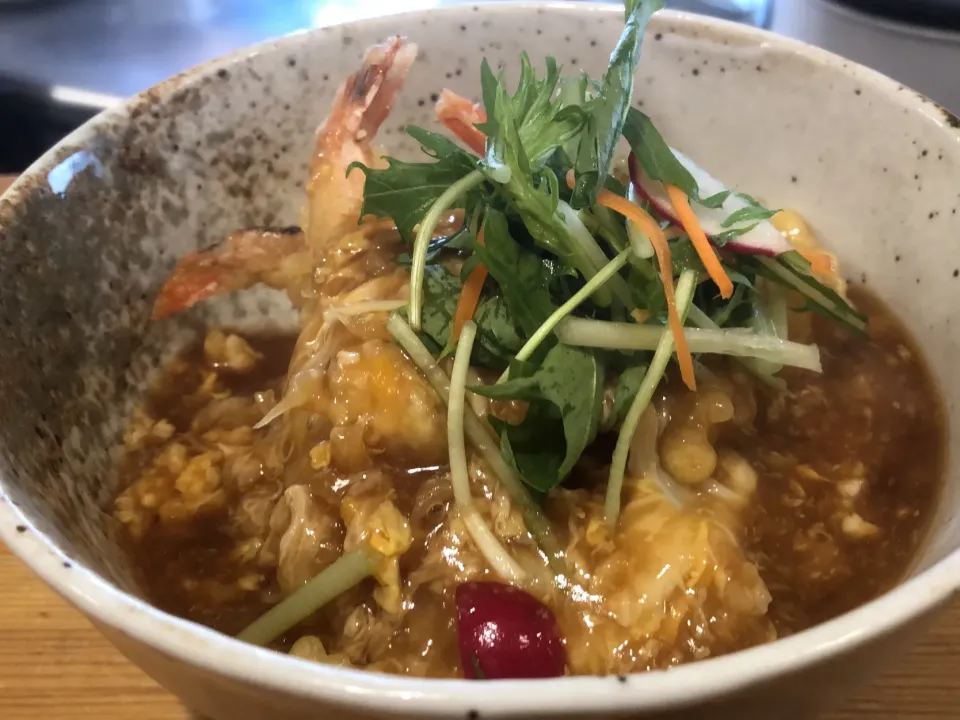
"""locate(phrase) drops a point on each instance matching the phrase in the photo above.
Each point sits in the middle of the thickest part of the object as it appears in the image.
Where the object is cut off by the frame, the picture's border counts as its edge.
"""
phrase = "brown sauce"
(849, 467)
(872, 425)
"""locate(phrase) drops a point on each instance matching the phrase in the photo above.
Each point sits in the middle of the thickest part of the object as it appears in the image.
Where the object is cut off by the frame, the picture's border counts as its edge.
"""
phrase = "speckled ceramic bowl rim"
(374, 692)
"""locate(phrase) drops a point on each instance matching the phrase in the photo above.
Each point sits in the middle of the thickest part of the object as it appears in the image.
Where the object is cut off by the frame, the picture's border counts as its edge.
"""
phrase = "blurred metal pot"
(916, 42)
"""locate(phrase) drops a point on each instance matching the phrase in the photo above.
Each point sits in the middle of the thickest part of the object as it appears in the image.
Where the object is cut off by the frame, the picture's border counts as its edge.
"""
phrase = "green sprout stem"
(422, 242)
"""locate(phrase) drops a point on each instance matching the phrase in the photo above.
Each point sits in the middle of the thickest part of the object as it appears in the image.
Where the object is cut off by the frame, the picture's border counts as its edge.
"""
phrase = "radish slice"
(506, 633)
(764, 239)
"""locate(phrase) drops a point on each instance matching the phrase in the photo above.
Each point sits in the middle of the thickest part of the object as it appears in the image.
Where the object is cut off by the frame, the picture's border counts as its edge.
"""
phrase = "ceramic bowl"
(89, 232)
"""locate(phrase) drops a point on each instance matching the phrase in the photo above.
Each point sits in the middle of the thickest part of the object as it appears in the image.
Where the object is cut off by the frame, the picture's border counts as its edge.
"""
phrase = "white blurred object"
(922, 57)
(334, 12)
(752, 12)
(84, 98)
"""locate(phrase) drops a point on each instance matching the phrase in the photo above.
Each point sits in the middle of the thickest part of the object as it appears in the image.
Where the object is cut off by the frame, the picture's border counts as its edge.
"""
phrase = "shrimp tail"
(460, 116)
(364, 99)
(360, 107)
(243, 259)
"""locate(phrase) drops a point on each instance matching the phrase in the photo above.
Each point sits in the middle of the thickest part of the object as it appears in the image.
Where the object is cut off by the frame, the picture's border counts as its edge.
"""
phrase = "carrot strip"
(469, 298)
(651, 228)
(687, 218)
(819, 261)
(460, 115)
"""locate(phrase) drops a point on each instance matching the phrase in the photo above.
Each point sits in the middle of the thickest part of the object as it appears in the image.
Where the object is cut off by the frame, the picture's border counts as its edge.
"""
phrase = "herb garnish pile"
(577, 282)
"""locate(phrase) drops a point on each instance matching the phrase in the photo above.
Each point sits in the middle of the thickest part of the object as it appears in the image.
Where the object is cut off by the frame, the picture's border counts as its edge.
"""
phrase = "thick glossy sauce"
(849, 466)
(873, 425)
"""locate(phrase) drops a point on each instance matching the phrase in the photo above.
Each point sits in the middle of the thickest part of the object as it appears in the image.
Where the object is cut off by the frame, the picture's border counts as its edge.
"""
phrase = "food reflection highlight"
(550, 410)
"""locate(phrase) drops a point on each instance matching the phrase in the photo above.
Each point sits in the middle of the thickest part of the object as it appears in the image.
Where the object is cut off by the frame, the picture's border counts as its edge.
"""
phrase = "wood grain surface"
(54, 665)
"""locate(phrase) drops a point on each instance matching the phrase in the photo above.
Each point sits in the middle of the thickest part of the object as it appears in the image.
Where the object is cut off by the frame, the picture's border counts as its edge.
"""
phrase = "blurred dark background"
(62, 61)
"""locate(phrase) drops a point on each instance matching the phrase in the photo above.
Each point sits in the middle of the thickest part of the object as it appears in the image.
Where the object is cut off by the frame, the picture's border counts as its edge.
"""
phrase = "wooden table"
(54, 665)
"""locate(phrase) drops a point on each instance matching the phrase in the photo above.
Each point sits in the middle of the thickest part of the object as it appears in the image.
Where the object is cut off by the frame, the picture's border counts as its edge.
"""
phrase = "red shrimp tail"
(242, 260)
(195, 279)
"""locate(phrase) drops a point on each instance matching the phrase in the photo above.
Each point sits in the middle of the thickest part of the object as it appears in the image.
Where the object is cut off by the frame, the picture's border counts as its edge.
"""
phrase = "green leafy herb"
(721, 239)
(655, 156)
(469, 265)
(521, 139)
(628, 384)
(439, 146)
(498, 339)
(748, 214)
(684, 256)
(608, 225)
(497, 332)
(565, 395)
(532, 194)
(737, 301)
(440, 292)
(533, 200)
(731, 311)
(405, 191)
(573, 92)
(715, 202)
(753, 212)
(660, 163)
(522, 276)
(792, 270)
(532, 449)
(529, 125)
(608, 111)
(546, 265)
(742, 276)
(516, 388)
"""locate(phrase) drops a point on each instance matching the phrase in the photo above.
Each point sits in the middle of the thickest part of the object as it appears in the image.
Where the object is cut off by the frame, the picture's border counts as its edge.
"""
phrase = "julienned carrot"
(687, 218)
(820, 262)
(460, 115)
(469, 297)
(651, 228)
